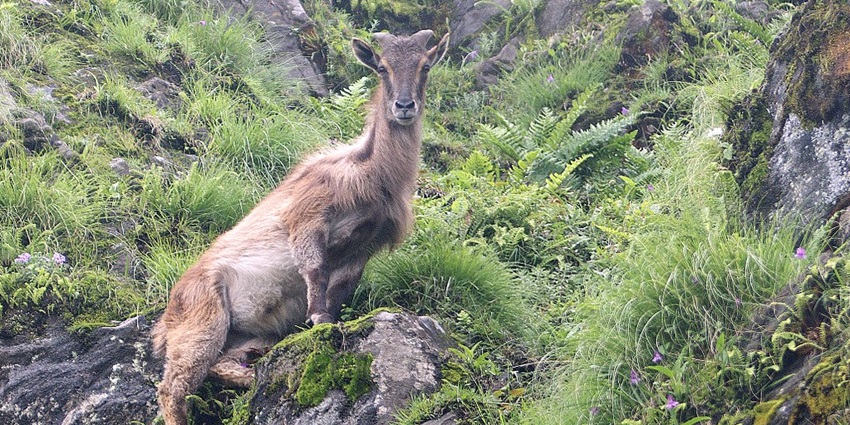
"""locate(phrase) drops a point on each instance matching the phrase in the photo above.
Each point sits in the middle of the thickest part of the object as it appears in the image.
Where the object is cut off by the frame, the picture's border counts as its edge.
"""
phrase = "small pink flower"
(657, 357)
(58, 259)
(23, 258)
(594, 410)
(801, 253)
(650, 187)
(202, 23)
(550, 79)
(634, 378)
(671, 402)
(624, 111)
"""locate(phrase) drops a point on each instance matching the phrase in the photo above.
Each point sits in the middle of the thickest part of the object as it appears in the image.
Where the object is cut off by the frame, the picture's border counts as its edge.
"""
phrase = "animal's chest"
(359, 232)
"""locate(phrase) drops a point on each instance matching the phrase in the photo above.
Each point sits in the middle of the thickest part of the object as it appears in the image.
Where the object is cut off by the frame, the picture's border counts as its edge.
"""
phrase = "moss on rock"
(750, 126)
(816, 53)
(309, 364)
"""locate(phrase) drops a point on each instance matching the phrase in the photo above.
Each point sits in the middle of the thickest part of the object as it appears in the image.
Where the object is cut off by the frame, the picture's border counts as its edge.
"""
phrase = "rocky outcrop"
(647, 33)
(283, 21)
(105, 377)
(792, 138)
(359, 372)
(470, 16)
(558, 16)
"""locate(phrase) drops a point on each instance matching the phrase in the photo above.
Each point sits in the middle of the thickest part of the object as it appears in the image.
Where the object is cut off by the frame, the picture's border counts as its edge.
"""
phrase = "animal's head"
(403, 66)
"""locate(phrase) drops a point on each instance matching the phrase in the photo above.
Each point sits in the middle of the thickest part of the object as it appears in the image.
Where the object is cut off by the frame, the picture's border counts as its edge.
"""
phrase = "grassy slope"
(561, 258)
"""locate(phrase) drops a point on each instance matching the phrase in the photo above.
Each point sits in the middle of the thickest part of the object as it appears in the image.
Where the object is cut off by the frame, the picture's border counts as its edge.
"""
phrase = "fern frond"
(540, 130)
(563, 128)
(555, 180)
(593, 138)
(518, 172)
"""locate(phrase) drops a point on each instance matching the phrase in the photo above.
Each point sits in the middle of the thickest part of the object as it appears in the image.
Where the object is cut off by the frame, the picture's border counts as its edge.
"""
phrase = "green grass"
(691, 274)
(454, 282)
(41, 190)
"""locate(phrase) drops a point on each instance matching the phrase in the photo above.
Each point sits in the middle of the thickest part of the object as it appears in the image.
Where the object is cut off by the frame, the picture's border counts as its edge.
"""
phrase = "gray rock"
(7, 102)
(407, 353)
(447, 419)
(648, 33)
(469, 17)
(284, 20)
(119, 166)
(165, 94)
(807, 95)
(558, 16)
(103, 378)
(757, 10)
(489, 71)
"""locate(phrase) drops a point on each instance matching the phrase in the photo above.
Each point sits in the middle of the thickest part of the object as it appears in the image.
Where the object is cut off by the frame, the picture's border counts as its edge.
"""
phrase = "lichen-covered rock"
(359, 372)
(793, 157)
(106, 377)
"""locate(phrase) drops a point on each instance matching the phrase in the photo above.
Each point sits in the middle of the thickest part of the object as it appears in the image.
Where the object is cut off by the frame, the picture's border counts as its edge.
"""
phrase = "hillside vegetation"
(577, 230)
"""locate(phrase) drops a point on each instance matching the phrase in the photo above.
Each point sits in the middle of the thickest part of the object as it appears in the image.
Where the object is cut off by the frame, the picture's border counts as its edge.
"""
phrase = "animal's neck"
(392, 148)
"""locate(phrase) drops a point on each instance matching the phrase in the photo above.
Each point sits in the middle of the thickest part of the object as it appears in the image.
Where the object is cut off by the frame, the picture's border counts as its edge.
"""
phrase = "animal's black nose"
(405, 104)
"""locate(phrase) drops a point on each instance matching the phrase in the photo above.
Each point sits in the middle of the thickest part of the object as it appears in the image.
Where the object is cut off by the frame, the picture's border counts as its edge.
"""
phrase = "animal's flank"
(298, 255)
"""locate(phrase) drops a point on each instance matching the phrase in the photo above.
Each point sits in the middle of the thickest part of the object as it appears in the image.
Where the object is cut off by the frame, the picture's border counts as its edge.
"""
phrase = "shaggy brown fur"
(299, 254)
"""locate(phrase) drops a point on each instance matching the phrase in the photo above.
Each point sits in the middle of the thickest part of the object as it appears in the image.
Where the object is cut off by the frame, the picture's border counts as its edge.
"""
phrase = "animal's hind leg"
(232, 368)
(191, 349)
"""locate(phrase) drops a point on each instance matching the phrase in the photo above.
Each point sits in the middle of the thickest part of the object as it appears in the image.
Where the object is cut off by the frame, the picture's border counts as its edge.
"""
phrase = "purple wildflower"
(634, 378)
(594, 410)
(58, 259)
(550, 79)
(202, 23)
(801, 253)
(624, 111)
(650, 187)
(738, 302)
(671, 402)
(657, 357)
(471, 56)
(23, 258)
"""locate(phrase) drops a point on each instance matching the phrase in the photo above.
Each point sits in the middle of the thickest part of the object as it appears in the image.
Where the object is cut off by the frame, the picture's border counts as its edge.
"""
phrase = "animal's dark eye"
(382, 69)
(426, 67)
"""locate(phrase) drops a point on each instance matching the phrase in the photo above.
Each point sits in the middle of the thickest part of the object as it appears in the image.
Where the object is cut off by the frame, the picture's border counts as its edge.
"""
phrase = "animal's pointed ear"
(436, 53)
(365, 53)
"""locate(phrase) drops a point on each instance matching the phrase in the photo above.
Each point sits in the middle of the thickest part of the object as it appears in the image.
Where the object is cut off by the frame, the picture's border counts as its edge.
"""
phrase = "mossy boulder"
(792, 138)
(358, 372)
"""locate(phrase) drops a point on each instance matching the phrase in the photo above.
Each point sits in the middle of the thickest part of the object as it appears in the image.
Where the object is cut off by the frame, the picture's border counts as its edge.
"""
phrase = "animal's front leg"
(311, 254)
(343, 281)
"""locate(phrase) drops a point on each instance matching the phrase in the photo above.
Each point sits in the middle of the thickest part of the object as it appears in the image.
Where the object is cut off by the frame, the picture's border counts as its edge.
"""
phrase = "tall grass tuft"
(41, 191)
(264, 146)
(455, 282)
(207, 198)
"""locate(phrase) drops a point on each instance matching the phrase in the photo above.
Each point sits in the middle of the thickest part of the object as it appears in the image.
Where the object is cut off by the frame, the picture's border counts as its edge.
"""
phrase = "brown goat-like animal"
(299, 254)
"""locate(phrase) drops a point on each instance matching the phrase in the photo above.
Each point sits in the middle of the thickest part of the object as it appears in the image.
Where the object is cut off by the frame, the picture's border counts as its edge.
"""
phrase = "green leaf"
(666, 371)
